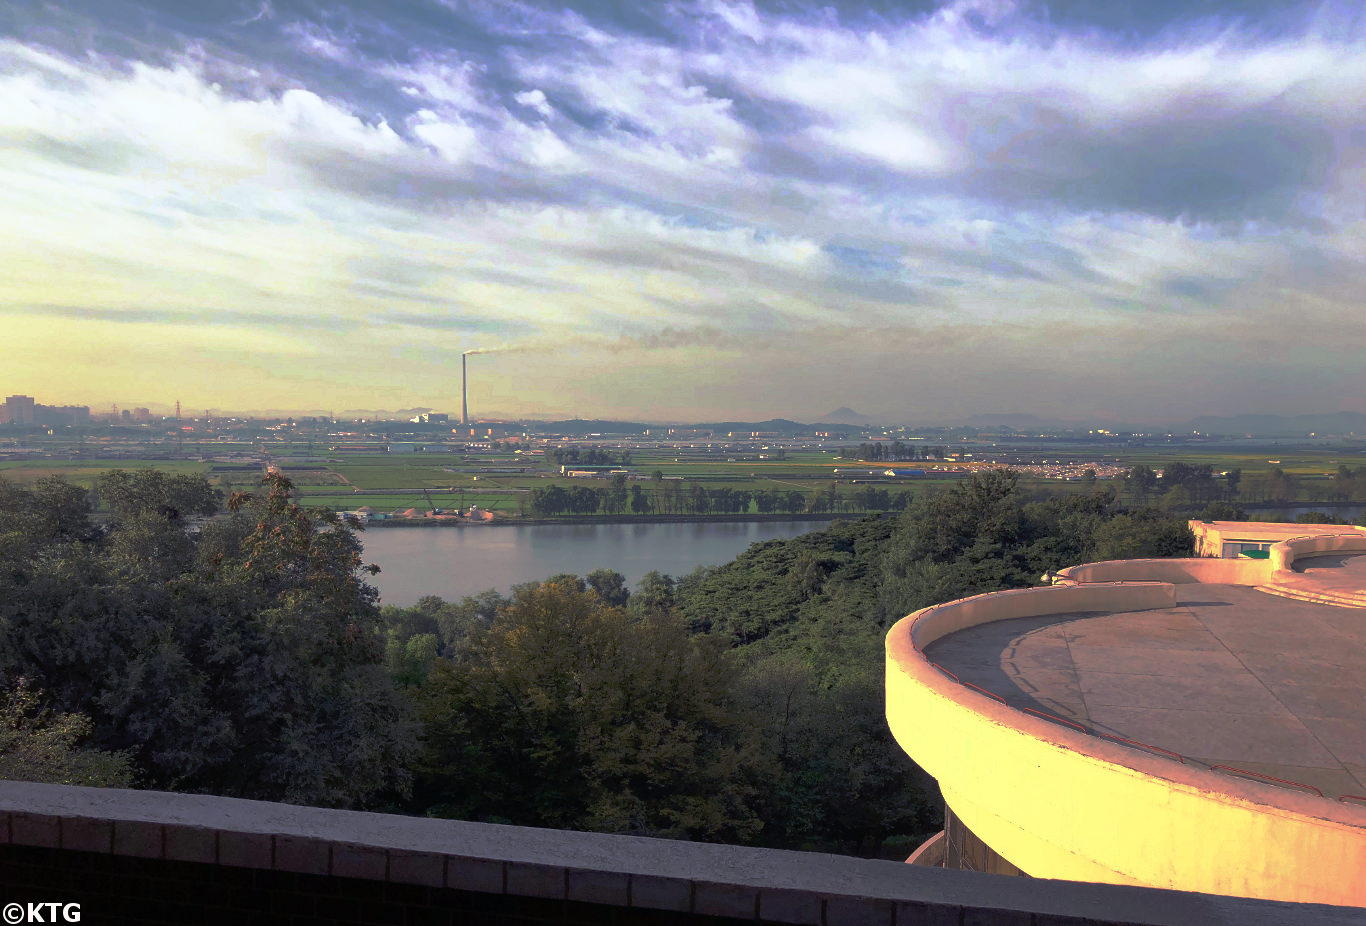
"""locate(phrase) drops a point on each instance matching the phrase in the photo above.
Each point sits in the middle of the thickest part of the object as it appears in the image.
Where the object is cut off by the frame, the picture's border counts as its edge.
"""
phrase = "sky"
(686, 211)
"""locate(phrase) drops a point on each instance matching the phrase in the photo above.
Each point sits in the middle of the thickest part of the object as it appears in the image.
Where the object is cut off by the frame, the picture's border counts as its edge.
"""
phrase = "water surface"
(453, 562)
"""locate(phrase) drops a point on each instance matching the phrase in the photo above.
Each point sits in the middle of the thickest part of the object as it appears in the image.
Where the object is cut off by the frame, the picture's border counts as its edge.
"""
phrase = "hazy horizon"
(711, 211)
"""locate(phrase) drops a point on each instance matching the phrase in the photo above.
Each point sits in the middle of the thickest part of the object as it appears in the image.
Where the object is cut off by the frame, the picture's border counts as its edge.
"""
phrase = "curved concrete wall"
(1284, 554)
(1063, 804)
(941, 620)
(1176, 571)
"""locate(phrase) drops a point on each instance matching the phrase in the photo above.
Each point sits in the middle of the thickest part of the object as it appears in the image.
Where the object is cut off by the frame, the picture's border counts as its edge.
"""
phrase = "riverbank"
(623, 519)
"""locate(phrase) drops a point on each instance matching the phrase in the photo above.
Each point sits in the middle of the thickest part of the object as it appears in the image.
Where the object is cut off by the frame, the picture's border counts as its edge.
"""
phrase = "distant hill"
(1031, 423)
(781, 425)
(1280, 425)
(1016, 421)
(844, 415)
(592, 426)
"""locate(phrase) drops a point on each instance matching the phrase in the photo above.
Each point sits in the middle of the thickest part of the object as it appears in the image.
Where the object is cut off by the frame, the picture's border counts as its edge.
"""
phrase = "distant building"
(19, 409)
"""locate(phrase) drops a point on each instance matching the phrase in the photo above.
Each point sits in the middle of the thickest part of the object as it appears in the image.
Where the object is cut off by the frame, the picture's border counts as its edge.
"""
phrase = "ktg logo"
(42, 913)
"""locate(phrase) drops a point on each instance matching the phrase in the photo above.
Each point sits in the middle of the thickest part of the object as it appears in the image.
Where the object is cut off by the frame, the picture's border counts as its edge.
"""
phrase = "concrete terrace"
(1230, 676)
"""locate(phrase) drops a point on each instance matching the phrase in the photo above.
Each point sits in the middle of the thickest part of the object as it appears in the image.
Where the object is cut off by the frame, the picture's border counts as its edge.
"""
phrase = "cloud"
(264, 11)
(228, 318)
(534, 99)
(772, 189)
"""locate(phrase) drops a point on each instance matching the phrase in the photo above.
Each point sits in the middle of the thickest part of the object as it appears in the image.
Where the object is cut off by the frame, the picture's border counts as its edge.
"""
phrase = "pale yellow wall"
(1062, 804)
(1284, 554)
(1178, 571)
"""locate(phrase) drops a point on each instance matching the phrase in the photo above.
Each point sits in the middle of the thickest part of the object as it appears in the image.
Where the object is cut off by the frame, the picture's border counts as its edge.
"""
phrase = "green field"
(346, 480)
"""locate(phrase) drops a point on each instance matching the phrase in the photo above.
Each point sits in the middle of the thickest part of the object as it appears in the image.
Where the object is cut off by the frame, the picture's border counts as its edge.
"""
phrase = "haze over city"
(686, 212)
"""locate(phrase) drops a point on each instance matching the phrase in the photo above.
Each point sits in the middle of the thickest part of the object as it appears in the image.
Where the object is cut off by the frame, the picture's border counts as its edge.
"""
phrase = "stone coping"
(765, 885)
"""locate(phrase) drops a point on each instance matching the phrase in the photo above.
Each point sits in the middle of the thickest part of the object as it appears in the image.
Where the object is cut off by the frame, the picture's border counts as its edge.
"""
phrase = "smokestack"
(464, 394)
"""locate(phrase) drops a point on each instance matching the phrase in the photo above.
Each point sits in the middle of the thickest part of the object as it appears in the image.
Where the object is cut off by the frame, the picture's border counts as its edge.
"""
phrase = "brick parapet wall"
(152, 856)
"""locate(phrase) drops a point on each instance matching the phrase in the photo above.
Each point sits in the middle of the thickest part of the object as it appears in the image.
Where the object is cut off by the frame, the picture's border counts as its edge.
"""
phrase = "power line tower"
(179, 434)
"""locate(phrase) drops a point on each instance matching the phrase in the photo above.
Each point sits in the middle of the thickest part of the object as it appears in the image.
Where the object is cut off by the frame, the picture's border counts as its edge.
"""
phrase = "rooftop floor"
(1231, 676)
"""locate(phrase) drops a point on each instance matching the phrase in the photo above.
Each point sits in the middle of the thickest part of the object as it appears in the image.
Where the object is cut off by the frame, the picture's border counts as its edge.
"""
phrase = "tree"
(246, 659)
(615, 502)
(1140, 480)
(610, 587)
(640, 502)
(570, 713)
(1142, 533)
(38, 745)
(1278, 486)
(170, 495)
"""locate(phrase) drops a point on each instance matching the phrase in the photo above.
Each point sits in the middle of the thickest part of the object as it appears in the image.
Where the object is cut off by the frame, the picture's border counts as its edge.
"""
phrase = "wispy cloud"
(773, 191)
(264, 11)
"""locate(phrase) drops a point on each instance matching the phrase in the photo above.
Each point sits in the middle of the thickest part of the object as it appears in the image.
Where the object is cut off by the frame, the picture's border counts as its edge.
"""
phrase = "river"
(458, 561)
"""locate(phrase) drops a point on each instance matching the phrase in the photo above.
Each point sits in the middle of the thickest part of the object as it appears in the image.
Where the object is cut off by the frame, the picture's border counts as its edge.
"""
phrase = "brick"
(919, 913)
(607, 887)
(420, 868)
(245, 850)
(980, 916)
(725, 899)
(32, 829)
(85, 834)
(858, 911)
(787, 906)
(430, 916)
(137, 839)
(351, 861)
(474, 874)
(655, 893)
(301, 854)
(191, 844)
(409, 895)
(525, 879)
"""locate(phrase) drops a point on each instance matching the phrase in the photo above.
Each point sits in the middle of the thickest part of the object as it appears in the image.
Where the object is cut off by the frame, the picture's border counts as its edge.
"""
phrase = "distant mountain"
(1006, 421)
(1025, 422)
(844, 415)
(781, 425)
(1279, 425)
(592, 426)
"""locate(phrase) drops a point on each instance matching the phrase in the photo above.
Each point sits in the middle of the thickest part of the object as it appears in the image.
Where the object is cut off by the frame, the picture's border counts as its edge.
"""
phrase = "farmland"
(634, 478)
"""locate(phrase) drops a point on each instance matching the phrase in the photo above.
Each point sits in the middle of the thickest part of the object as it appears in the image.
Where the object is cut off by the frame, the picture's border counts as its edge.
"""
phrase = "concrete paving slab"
(1291, 668)
(1029, 682)
(1094, 633)
(1346, 738)
(1310, 700)
(1243, 737)
(1359, 773)
(1143, 660)
(1235, 695)
(1304, 641)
